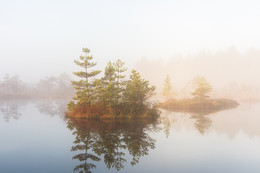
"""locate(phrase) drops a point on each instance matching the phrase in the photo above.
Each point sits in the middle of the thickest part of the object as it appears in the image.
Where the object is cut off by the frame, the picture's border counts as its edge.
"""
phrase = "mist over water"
(231, 73)
(42, 140)
(101, 123)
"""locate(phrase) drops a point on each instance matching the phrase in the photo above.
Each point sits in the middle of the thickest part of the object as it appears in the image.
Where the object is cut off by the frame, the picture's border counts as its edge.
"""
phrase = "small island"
(193, 106)
(113, 96)
(110, 96)
(200, 101)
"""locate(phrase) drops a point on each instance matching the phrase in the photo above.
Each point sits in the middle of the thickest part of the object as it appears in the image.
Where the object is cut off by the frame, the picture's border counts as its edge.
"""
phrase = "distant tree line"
(55, 87)
(48, 87)
(10, 86)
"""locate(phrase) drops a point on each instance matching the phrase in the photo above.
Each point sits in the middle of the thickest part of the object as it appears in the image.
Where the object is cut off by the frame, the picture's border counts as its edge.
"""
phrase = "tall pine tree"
(84, 88)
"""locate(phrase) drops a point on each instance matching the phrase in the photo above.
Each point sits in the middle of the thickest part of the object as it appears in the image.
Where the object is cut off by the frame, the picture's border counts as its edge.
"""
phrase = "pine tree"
(109, 90)
(120, 83)
(119, 70)
(110, 95)
(201, 93)
(110, 87)
(109, 73)
(84, 89)
(167, 88)
(138, 90)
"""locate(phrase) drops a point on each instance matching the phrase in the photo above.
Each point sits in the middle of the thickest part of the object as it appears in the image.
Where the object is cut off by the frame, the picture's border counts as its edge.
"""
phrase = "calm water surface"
(35, 137)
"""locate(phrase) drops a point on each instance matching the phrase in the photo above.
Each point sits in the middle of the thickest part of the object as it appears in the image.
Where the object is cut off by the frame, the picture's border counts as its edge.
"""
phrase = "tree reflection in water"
(203, 123)
(111, 140)
(52, 107)
(166, 124)
(10, 109)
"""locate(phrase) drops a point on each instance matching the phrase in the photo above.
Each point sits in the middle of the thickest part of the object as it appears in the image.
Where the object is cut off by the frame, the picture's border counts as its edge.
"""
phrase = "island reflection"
(202, 121)
(111, 141)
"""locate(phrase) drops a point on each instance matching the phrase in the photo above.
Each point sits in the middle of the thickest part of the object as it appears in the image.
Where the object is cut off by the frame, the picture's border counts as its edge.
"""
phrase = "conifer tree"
(110, 94)
(201, 93)
(120, 83)
(84, 89)
(109, 76)
(119, 70)
(112, 84)
(109, 90)
(167, 87)
(138, 90)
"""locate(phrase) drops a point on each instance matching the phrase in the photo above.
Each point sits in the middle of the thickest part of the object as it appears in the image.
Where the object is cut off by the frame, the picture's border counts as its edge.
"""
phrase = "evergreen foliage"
(167, 87)
(84, 89)
(112, 95)
(203, 88)
(137, 92)
(116, 142)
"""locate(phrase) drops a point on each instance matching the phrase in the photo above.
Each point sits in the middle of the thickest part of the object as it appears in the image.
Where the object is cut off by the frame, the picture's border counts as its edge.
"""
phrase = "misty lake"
(36, 137)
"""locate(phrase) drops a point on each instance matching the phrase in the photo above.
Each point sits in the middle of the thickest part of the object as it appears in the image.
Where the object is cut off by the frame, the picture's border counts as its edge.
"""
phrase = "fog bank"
(232, 74)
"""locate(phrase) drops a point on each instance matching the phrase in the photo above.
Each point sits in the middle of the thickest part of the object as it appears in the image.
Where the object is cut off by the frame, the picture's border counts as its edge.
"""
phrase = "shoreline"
(193, 106)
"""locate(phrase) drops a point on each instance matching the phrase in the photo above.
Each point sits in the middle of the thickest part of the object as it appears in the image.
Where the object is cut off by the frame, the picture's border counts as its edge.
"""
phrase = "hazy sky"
(42, 37)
